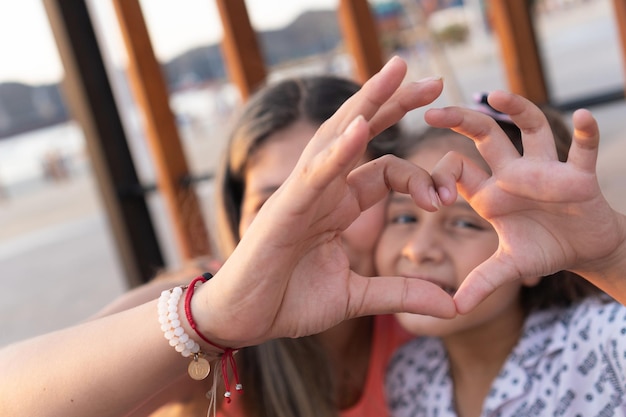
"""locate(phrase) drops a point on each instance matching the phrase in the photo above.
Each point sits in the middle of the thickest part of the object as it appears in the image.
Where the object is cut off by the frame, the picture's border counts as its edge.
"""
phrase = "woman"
(337, 372)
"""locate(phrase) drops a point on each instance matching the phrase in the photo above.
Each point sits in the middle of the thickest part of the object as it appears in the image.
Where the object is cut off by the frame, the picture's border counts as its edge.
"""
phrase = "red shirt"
(388, 336)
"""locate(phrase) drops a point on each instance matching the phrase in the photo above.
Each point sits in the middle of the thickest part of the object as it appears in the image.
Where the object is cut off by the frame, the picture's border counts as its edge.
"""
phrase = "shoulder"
(594, 314)
(601, 325)
(594, 325)
(571, 358)
(598, 316)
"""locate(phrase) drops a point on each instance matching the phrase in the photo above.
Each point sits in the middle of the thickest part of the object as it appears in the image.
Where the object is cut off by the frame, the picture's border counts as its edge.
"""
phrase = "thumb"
(384, 295)
(483, 281)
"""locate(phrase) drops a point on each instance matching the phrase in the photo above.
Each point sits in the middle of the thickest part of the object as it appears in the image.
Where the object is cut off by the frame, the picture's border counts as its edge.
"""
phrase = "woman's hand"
(290, 275)
(549, 215)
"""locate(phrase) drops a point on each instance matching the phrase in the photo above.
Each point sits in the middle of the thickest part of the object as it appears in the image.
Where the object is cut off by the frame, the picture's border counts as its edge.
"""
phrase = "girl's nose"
(424, 246)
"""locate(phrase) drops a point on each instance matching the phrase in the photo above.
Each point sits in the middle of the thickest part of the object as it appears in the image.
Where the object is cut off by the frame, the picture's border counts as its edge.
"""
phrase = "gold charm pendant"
(199, 368)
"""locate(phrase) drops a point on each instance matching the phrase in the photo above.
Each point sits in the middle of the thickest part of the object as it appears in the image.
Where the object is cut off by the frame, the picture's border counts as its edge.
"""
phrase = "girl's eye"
(467, 224)
(403, 219)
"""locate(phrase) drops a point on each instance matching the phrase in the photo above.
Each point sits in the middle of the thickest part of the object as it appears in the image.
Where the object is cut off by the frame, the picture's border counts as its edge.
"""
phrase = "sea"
(24, 157)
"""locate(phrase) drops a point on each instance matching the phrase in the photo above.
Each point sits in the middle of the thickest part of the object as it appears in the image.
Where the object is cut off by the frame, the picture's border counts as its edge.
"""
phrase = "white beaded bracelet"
(199, 367)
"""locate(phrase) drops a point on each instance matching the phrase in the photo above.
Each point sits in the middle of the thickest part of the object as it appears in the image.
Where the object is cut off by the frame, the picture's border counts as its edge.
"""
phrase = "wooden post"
(242, 54)
(512, 23)
(619, 6)
(91, 101)
(150, 92)
(361, 37)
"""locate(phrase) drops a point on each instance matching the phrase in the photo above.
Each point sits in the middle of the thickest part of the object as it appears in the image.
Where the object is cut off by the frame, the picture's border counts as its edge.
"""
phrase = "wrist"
(211, 352)
(214, 316)
(608, 272)
(226, 353)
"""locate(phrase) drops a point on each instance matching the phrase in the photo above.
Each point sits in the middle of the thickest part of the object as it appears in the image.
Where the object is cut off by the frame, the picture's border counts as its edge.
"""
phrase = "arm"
(102, 367)
(288, 277)
(162, 281)
(183, 389)
(549, 215)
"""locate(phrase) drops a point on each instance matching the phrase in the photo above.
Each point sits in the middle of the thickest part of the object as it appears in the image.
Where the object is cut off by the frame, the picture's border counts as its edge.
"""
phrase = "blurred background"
(59, 260)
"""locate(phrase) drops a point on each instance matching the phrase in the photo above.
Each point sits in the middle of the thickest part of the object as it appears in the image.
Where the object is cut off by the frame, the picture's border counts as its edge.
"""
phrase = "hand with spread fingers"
(549, 215)
(291, 258)
(289, 276)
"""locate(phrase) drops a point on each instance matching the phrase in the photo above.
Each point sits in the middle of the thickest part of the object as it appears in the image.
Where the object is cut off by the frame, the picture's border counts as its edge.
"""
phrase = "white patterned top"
(568, 362)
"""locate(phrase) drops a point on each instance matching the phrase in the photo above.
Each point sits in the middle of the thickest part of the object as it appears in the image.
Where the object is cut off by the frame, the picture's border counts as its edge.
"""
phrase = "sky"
(28, 52)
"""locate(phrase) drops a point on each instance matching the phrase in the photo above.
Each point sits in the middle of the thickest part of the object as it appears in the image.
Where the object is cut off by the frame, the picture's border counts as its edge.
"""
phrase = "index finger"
(531, 121)
(383, 100)
(493, 144)
(368, 100)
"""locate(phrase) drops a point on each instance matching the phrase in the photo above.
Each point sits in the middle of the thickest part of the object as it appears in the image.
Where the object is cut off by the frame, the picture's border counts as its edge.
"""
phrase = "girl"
(551, 345)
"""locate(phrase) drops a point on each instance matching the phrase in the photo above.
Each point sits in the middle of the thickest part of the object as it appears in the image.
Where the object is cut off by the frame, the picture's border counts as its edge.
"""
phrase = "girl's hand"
(549, 215)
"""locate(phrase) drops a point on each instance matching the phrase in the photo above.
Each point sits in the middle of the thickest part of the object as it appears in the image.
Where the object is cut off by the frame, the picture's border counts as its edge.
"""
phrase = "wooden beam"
(619, 6)
(512, 23)
(360, 35)
(90, 98)
(242, 54)
(150, 92)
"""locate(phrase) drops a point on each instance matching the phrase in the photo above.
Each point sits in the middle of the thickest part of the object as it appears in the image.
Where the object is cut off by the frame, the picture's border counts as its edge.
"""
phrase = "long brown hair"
(285, 377)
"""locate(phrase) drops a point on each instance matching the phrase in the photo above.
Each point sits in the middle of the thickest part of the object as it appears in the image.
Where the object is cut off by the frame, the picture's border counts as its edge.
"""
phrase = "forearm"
(163, 281)
(101, 368)
(138, 296)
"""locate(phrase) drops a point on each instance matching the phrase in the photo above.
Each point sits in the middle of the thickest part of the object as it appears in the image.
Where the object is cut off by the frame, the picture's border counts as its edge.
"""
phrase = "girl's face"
(442, 247)
(270, 165)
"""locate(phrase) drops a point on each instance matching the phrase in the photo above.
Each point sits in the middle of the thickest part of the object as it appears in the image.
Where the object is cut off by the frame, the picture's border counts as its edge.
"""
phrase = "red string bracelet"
(227, 355)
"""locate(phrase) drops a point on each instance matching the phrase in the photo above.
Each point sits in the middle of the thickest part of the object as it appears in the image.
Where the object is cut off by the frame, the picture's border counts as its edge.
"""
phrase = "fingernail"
(443, 193)
(393, 58)
(390, 63)
(431, 78)
(353, 123)
(434, 198)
